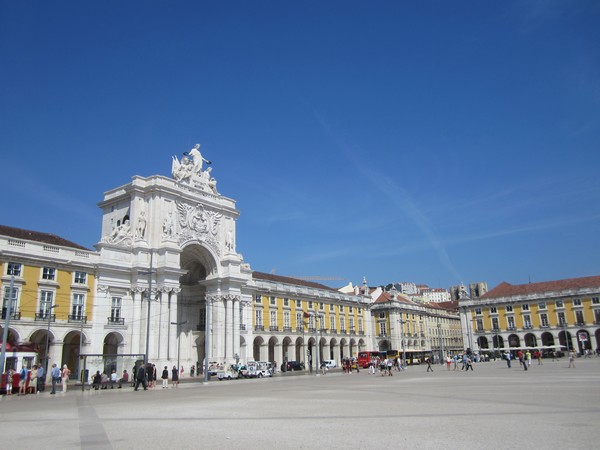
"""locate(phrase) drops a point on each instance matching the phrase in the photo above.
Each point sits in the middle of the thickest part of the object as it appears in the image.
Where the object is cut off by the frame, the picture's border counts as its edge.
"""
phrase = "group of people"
(33, 381)
(146, 375)
(102, 380)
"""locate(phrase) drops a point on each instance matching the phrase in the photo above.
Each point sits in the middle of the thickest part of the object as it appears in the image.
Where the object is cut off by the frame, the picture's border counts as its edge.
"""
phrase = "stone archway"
(271, 355)
(71, 351)
(285, 349)
(299, 353)
(566, 340)
(583, 341)
(514, 341)
(547, 339)
(257, 346)
(498, 342)
(112, 341)
(530, 340)
(384, 345)
(39, 339)
(482, 342)
(333, 346)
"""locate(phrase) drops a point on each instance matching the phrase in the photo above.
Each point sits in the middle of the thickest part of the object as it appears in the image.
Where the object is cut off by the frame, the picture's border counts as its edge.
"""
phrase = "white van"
(330, 363)
(259, 369)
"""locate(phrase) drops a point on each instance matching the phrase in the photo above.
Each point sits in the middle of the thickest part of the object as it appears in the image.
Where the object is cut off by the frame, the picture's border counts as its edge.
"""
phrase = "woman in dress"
(175, 376)
(33, 380)
(66, 373)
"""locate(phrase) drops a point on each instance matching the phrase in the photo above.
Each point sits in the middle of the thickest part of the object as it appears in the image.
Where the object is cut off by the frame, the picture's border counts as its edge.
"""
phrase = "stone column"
(236, 327)
(229, 327)
(217, 320)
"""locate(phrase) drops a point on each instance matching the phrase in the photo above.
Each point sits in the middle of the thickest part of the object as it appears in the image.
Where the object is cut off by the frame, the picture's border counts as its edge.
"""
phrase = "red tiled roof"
(505, 289)
(46, 238)
(385, 298)
(290, 280)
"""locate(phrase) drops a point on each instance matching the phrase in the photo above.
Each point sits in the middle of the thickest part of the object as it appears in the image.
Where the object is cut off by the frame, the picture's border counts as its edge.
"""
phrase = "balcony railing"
(288, 329)
(77, 318)
(259, 328)
(14, 315)
(273, 328)
(45, 317)
(299, 329)
(243, 326)
(116, 321)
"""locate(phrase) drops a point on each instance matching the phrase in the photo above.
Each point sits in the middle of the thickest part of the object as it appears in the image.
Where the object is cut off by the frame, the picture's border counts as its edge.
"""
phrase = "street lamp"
(49, 313)
(439, 325)
(178, 339)
(402, 339)
(6, 323)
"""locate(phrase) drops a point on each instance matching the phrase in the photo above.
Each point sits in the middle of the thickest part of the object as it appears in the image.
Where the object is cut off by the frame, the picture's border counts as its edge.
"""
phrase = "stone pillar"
(229, 327)
(215, 325)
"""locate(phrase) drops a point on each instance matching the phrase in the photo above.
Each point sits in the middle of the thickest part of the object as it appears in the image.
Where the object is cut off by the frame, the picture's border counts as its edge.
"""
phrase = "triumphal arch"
(172, 241)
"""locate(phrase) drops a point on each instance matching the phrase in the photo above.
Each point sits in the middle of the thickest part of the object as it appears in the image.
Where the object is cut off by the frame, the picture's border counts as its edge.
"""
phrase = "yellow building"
(559, 315)
(48, 283)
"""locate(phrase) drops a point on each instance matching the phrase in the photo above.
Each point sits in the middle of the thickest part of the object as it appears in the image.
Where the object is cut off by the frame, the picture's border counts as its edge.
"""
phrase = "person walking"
(55, 375)
(66, 373)
(528, 357)
(23, 380)
(175, 376)
(507, 356)
(448, 362)
(9, 381)
(165, 378)
(469, 364)
(33, 380)
(41, 381)
(96, 380)
(571, 359)
(140, 378)
(428, 361)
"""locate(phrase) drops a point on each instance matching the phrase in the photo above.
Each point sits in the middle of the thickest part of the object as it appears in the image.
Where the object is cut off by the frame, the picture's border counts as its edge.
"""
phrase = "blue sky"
(434, 142)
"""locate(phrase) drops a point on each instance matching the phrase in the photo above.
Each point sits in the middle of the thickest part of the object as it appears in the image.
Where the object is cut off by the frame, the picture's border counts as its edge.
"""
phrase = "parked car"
(259, 369)
(295, 365)
(228, 373)
(330, 363)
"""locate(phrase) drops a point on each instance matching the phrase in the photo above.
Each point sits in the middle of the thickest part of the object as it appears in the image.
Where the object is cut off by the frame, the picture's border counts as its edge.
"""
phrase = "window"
(597, 315)
(350, 309)
(544, 320)
(331, 308)
(559, 304)
(299, 303)
(495, 323)
(542, 305)
(48, 273)
(595, 301)
(286, 302)
(272, 300)
(14, 269)
(46, 303)
(12, 297)
(331, 322)
(561, 319)
(341, 308)
(273, 319)
(577, 302)
(80, 277)
(509, 309)
(286, 319)
(352, 324)
(115, 309)
(310, 305)
(360, 325)
(299, 323)
(479, 325)
(311, 322)
(382, 328)
(511, 323)
(258, 298)
(77, 308)
(493, 310)
(382, 315)
(258, 317)
(343, 324)
(579, 317)
(525, 307)
(527, 321)
(321, 306)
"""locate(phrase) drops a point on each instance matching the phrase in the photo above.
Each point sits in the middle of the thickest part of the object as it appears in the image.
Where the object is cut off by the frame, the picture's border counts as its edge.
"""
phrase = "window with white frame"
(311, 322)
(258, 317)
(382, 328)
(331, 307)
(478, 311)
(273, 319)
(350, 309)
(579, 317)
(597, 315)
(115, 309)
(286, 302)
(493, 310)
(544, 320)
(527, 321)
(360, 325)
(382, 315)
(272, 300)
(286, 319)
(341, 308)
(525, 307)
(332, 322)
(479, 325)
(542, 305)
(13, 268)
(561, 318)
(342, 324)
(48, 273)
(299, 303)
(77, 307)
(577, 302)
(12, 297)
(321, 306)
(595, 300)
(80, 277)
(258, 298)
(511, 323)
(559, 304)
(352, 324)
(299, 322)
(310, 305)
(509, 308)
(495, 323)
(46, 298)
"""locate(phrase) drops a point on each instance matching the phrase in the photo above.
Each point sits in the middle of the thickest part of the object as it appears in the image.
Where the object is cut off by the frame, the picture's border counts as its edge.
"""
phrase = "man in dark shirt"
(140, 377)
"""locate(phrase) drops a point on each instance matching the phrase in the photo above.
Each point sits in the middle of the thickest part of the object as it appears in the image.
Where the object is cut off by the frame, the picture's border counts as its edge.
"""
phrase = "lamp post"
(439, 325)
(6, 323)
(178, 339)
(402, 339)
(49, 313)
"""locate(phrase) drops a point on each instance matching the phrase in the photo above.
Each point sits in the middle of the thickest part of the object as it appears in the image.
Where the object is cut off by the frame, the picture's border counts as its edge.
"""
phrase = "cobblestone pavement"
(549, 406)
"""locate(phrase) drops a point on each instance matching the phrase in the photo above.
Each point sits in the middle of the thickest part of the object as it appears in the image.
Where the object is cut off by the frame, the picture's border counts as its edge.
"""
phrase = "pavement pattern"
(493, 407)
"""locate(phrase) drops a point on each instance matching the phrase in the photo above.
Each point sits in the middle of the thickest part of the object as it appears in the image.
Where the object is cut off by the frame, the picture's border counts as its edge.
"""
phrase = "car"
(330, 363)
(294, 365)
(229, 373)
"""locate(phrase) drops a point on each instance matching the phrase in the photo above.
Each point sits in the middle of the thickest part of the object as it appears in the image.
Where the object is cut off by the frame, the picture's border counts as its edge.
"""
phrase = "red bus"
(366, 358)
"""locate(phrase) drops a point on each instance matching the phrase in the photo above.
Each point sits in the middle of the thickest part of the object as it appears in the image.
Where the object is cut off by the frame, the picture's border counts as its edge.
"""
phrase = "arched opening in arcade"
(514, 341)
(583, 341)
(566, 341)
(72, 343)
(498, 342)
(547, 339)
(530, 340)
(257, 349)
(482, 342)
(112, 341)
(273, 341)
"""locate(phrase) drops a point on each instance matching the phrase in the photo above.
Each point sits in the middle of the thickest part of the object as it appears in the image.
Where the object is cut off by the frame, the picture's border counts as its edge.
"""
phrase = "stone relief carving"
(189, 171)
(197, 223)
(140, 227)
(121, 234)
(168, 228)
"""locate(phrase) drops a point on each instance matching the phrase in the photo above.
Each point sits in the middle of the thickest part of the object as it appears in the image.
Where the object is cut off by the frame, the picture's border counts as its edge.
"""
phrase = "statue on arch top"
(189, 170)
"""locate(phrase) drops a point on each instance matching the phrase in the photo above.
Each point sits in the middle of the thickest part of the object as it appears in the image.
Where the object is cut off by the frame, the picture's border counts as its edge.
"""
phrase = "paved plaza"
(549, 406)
